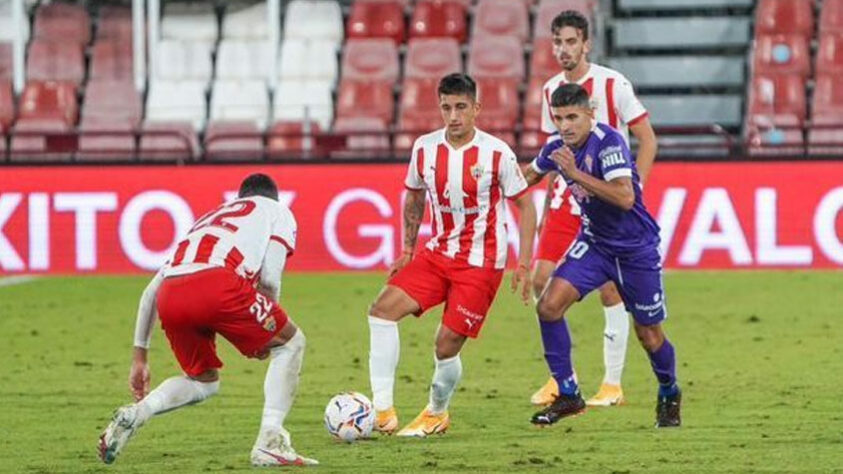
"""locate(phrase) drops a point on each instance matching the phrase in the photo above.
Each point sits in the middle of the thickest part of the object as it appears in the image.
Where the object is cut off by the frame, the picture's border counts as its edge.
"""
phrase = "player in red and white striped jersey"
(224, 277)
(468, 174)
(615, 104)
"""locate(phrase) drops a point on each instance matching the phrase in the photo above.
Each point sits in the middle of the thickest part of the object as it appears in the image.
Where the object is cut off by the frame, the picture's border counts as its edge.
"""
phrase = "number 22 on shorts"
(260, 309)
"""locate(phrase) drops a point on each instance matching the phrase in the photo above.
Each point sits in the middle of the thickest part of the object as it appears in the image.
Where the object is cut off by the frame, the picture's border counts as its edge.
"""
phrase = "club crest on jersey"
(477, 171)
(269, 324)
(589, 162)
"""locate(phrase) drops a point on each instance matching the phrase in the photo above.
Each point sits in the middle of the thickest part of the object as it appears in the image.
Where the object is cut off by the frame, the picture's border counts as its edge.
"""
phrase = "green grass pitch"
(759, 358)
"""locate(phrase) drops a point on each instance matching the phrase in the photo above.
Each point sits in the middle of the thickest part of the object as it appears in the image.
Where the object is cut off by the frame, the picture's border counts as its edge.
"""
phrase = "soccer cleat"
(545, 395)
(563, 406)
(123, 425)
(667, 411)
(426, 424)
(386, 421)
(608, 395)
(274, 449)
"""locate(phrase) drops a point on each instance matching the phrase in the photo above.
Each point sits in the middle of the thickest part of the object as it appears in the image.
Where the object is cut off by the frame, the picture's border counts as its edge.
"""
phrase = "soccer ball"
(349, 416)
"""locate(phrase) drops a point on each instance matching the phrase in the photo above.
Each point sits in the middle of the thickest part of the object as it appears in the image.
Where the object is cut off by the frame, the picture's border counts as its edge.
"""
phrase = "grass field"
(759, 357)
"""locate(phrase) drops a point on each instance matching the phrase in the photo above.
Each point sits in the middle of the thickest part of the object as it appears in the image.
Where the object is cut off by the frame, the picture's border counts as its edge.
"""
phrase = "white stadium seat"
(319, 19)
(299, 100)
(171, 101)
(180, 60)
(189, 22)
(302, 59)
(248, 22)
(243, 59)
(240, 101)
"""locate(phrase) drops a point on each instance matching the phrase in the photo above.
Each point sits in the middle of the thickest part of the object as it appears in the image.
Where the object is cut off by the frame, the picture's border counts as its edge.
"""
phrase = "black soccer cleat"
(563, 406)
(667, 411)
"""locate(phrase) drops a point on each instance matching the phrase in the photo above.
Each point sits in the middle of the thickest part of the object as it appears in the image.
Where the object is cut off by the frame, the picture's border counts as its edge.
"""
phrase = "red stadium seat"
(370, 59)
(548, 9)
(499, 116)
(543, 64)
(6, 61)
(782, 54)
(55, 61)
(231, 141)
(50, 100)
(115, 23)
(364, 138)
(432, 57)
(418, 111)
(112, 100)
(63, 22)
(831, 16)
(169, 141)
(376, 19)
(827, 104)
(106, 139)
(496, 57)
(111, 60)
(7, 105)
(830, 54)
(501, 18)
(40, 139)
(361, 98)
(777, 100)
(787, 142)
(293, 140)
(439, 19)
(785, 16)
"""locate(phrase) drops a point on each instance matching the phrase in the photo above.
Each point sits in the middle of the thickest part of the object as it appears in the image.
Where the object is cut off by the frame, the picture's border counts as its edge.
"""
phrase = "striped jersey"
(466, 188)
(236, 236)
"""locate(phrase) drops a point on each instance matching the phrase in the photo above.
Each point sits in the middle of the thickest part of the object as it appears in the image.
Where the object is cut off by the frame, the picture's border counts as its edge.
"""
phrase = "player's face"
(458, 113)
(573, 123)
(569, 47)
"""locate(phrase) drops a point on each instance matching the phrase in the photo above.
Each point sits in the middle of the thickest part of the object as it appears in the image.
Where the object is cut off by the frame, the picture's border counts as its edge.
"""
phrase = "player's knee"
(447, 348)
(548, 310)
(208, 376)
(380, 310)
(207, 390)
(609, 295)
(650, 337)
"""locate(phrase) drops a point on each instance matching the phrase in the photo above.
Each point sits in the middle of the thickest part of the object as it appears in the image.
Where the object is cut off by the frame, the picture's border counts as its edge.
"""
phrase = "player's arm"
(548, 197)
(272, 268)
(145, 321)
(617, 190)
(642, 129)
(413, 214)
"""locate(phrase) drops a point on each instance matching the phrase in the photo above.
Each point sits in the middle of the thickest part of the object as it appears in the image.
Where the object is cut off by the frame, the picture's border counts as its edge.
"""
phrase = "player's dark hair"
(258, 184)
(568, 95)
(571, 18)
(458, 84)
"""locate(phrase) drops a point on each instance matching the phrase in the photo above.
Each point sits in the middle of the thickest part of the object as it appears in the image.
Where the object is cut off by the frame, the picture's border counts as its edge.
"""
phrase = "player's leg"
(615, 338)
(542, 271)
(415, 288)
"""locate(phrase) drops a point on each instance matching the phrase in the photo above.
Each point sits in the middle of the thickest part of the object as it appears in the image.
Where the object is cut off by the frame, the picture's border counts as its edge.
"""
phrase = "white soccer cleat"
(274, 449)
(123, 425)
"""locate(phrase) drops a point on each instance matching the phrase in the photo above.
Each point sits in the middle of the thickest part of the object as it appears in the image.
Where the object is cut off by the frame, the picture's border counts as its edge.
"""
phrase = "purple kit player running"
(618, 242)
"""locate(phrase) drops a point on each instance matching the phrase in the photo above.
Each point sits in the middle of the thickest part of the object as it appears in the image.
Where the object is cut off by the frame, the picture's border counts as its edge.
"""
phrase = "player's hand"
(521, 276)
(402, 262)
(566, 161)
(139, 380)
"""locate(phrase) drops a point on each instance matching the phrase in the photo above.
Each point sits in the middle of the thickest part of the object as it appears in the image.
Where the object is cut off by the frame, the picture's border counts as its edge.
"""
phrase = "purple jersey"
(606, 156)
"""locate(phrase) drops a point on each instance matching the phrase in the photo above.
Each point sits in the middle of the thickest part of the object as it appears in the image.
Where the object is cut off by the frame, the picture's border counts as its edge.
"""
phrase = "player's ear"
(586, 46)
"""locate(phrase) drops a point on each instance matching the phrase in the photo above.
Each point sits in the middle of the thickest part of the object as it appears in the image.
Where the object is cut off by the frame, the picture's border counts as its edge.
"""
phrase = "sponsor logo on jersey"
(589, 162)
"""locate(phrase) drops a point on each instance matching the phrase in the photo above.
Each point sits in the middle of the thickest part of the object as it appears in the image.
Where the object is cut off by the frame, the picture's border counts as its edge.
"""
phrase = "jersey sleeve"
(284, 230)
(614, 158)
(414, 179)
(542, 163)
(547, 125)
(512, 179)
(630, 109)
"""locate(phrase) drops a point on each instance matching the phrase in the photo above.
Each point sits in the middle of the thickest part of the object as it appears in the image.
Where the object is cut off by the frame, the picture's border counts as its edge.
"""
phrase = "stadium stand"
(376, 19)
(439, 19)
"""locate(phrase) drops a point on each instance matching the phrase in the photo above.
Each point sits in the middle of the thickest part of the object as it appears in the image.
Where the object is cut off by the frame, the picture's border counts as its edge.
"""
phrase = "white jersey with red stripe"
(611, 94)
(235, 235)
(466, 187)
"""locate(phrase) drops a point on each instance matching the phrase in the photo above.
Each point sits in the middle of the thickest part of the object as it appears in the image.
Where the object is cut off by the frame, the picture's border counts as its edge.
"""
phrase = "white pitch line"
(16, 280)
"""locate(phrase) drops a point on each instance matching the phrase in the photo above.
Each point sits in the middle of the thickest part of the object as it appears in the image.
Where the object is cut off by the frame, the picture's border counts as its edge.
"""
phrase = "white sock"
(615, 337)
(279, 386)
(445, 378)
(384, 349)
(173, 393)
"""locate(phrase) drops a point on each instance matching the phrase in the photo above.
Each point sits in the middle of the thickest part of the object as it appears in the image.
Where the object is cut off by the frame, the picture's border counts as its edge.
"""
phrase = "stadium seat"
(500, 107)
(181, 101)
(501, 57)
(501, 18)
(785, 16)
(831, 16)
(682, 70)
(233, 140)
(677, 32)
(243, 59)
(365, 98)
(376, 19)
(531, 137)
(830, 54)
(439, 19)
(42, 139)
(418, 111)
(169, 141)
(62, 22)
(112, 59)
(432, 57)
(370, 59)
(298, 60)
(105, 139)
(49, 101)
(776, 141)
(240, 101)
(314, 19)
(777, 100)
(293, 140)
(827, 103)
(543, 63)
(189, 22)
(112, 101)
(548, 9)
(782, 54)
(6, 65)
(364, 138)
(55, 61)
(693, 109)
(182, 60)
(114, 23)
(299, 101)
(246, 23)
(7, 105)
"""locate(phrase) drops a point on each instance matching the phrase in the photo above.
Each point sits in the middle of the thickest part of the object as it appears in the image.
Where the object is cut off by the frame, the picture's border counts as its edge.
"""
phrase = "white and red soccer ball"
(350, 416)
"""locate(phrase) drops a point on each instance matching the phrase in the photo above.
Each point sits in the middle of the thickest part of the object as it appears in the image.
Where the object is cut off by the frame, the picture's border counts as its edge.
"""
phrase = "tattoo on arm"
(413, 214)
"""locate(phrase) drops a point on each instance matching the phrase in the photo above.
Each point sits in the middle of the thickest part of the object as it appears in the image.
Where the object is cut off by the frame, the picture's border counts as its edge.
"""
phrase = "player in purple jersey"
(618, 242)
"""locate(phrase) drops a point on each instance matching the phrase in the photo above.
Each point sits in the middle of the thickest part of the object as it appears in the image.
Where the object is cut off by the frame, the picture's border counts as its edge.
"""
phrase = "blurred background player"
(467, 173)
(209, 287)
(619, 242)
(616, 105)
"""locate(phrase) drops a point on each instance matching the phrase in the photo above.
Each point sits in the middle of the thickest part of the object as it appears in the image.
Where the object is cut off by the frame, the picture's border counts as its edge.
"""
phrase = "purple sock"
(663, 361)
(557, 353)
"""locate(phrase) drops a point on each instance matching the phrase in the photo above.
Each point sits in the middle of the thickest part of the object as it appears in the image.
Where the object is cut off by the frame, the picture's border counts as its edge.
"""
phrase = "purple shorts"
(638, 278)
